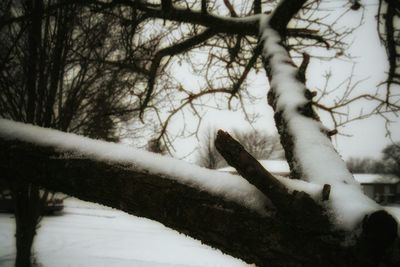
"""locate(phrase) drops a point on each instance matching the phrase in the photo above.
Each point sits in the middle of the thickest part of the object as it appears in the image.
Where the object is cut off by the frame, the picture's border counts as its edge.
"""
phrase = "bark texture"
(293, 207)
(272, 240)
(378, 230)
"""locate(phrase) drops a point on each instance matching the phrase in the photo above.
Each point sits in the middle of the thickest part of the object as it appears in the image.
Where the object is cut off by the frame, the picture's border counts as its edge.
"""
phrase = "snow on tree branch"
(314, 156)
(228, 186)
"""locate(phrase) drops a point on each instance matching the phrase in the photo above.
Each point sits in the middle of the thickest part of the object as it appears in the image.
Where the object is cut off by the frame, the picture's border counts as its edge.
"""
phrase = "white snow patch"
(279, 167)
(314, 190)
(88, 235)
(230, 187)
(248, 19)
(318, 160)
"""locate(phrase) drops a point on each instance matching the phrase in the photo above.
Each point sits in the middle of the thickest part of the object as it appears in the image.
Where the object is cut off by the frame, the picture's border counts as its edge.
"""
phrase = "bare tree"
(389, 163)
(367, 165)
(391, 156)
(208, 155)
(56, 72)
(259, 144)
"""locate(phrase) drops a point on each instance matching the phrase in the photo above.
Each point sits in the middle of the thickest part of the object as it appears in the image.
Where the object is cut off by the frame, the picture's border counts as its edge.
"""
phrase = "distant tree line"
(389, 163)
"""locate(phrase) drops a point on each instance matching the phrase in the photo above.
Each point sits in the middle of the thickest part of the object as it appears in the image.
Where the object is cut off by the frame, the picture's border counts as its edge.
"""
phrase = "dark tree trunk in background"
(41, 52)
(27, 212)
(26, 196)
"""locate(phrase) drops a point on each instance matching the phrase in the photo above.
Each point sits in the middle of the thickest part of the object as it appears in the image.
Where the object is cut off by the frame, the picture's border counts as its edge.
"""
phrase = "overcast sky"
(368, 137)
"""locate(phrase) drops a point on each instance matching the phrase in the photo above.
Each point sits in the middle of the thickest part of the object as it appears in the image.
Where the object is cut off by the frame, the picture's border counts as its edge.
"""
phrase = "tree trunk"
(24, 238)
(306, 141)
(26, 196)
(27, 211)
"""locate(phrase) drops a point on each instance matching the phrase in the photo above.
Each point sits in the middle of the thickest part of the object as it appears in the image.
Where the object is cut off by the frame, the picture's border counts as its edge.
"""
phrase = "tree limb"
(283, 13)
(273, 238)
(292, 206)
(249, 66)
(263, 240)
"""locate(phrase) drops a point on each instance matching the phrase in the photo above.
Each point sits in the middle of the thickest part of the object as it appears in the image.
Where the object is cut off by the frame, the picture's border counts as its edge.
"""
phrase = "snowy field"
(93, 235)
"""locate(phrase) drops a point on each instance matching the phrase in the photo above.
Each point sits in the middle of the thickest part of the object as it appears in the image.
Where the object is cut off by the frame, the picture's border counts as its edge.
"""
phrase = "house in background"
(277, 167)
(380, 187)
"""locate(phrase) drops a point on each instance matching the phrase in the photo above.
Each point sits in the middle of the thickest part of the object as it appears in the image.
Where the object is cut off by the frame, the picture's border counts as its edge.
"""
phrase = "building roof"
(281, 167)
(369, 178)
(273, 166)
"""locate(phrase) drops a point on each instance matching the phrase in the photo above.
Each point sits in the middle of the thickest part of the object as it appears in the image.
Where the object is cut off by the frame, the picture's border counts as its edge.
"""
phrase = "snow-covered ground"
(92, 235)
(87, 234)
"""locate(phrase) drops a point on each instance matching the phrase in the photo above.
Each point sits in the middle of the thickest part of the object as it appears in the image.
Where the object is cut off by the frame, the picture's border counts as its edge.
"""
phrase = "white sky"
(368, 137)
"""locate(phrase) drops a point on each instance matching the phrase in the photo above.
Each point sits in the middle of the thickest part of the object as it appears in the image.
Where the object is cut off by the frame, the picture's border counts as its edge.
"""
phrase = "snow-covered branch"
(230, 187)
(222, 210)
(308, 148)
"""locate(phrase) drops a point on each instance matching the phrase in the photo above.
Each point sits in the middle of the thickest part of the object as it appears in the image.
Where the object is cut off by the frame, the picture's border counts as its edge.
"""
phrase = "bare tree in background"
(367, 165)
(57, 71)
(389, 163)
(259, 144)
(391, 156)
(207, 154)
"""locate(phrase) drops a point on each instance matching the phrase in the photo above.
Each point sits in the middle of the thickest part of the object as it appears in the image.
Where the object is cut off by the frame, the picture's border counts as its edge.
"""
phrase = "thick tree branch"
(284, 12)
(257, 7)
(204, 6)
(306, 140)
(390, 39)
(166, 5)
(233, 25)
(263, 240)
(292, 206)
(230, 8)
(68, 163)
(248, 25)
(301, 74)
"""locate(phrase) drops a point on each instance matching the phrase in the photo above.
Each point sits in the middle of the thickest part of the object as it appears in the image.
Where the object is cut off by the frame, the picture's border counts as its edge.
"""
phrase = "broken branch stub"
(298, 206)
